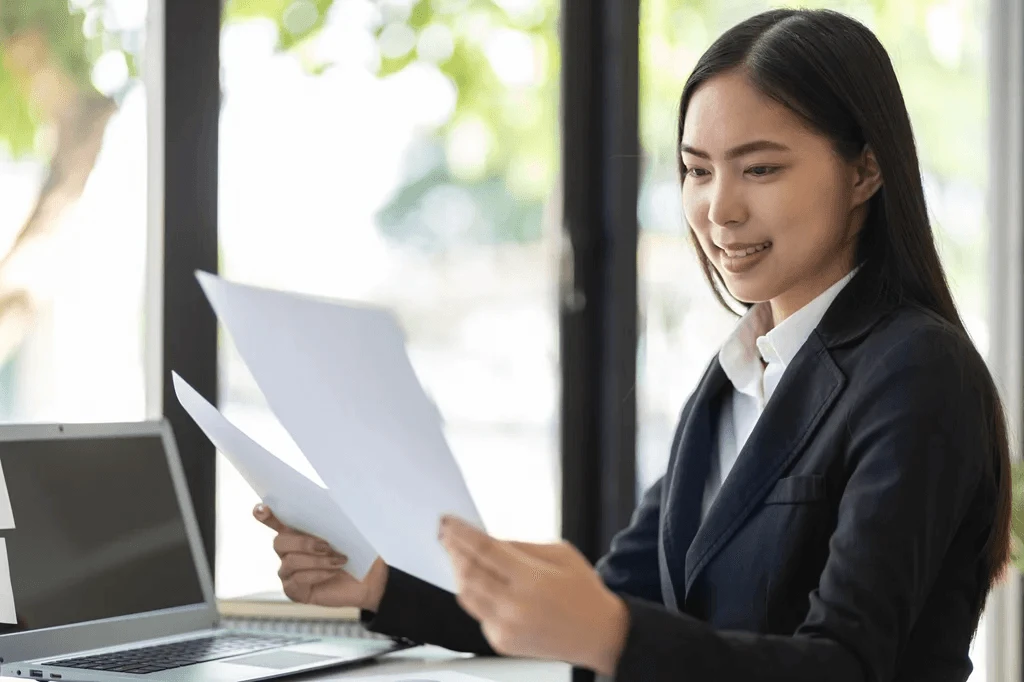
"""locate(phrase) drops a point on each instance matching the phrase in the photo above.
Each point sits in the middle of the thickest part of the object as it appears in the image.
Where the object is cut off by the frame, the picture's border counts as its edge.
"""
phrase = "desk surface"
(426, 659)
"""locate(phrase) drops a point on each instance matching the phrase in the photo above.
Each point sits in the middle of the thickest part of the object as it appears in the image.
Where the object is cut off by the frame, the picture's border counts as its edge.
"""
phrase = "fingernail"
(322, 547)
(337, 561)
(260, 510)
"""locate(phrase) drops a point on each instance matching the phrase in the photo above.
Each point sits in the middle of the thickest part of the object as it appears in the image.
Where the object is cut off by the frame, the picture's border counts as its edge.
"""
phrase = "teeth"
(748, 251)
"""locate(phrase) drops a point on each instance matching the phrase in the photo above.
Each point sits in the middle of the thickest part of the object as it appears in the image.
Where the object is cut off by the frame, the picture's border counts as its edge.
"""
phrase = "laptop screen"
(98, 531)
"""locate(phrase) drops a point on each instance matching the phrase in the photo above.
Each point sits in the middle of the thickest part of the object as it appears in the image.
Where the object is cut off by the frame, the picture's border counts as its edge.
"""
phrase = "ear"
(867, 177)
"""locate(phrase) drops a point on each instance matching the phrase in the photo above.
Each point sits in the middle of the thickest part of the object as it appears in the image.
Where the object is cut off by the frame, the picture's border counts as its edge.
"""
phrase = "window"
(938, 50)
(406, 158)
(72, 209)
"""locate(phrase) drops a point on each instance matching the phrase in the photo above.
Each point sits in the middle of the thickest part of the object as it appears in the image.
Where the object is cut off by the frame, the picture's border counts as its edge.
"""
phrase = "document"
(339, 379)
(295, 499)
(438, 676)
(8, 614)
(6, 513)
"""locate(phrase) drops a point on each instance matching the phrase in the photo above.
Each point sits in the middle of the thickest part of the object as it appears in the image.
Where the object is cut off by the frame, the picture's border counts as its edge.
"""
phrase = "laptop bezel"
(121, 630)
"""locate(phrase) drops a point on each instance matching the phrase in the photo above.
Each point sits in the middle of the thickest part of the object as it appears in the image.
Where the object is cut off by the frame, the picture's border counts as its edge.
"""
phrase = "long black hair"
(832, 71)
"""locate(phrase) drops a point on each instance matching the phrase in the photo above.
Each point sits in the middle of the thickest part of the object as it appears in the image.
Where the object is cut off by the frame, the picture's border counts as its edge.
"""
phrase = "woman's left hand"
(537, 601)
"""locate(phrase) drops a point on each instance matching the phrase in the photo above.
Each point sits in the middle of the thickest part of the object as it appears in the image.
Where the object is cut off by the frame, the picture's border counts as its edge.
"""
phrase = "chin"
(749, 299)
(746, 291)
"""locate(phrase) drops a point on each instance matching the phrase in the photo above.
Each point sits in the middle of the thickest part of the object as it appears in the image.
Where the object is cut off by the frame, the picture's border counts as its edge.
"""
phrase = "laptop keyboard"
(160, 657)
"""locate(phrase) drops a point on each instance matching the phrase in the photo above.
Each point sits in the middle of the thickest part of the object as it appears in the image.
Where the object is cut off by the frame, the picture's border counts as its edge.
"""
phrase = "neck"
(789, 302)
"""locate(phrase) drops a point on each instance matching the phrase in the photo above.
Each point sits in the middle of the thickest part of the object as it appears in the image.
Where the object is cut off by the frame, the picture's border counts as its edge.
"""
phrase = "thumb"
(265, 516)
(554, 552)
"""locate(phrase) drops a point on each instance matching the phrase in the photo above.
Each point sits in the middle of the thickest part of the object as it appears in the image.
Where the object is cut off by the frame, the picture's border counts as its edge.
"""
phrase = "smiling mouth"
(744, 253)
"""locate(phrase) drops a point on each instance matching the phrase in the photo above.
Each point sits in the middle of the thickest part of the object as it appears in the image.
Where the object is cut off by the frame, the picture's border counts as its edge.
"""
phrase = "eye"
(694, 172)
(762, 171)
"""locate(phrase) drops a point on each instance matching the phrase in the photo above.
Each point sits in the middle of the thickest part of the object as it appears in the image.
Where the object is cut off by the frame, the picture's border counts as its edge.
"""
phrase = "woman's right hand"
(311, 571)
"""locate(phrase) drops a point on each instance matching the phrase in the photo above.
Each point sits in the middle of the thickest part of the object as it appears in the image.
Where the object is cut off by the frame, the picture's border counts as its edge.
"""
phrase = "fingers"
(311, 578)
(266, 517)
(294, 542)
(290, 540)
(553, 552)
(294, 562)
(492, 555)
(302, 586)
(477, 588)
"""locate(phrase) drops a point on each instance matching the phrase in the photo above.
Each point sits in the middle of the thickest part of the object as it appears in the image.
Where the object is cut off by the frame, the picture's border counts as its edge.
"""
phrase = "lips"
(741, 250)
(749, 260)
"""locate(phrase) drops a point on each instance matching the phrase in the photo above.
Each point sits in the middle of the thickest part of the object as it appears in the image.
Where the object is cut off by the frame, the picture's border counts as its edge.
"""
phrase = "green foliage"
(673, 34)
(521, 119)
(938, 51)
(942, 79)
(17, 124)
(500, 216)
(518, 120)
(75, 38)
(62, 31)
(60, 26)
(513, 125)
(296, 20)
(1017, 519)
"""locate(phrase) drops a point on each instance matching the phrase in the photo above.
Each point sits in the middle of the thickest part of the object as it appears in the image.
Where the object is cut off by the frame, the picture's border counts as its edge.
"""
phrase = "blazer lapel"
(809, 387)
(686, 479)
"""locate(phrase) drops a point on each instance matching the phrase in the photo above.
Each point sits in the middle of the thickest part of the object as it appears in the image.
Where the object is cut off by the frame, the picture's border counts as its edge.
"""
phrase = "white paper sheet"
(296, 500)
(6, 513)
(338, 378)
(434, 676)
(8, 614)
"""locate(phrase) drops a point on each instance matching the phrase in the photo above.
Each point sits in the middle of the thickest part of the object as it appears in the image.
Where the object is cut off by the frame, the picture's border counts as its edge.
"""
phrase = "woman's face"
(775, 208)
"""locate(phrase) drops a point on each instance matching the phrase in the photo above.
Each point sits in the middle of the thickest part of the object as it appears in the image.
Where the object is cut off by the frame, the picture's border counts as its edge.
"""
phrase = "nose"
(726, 206)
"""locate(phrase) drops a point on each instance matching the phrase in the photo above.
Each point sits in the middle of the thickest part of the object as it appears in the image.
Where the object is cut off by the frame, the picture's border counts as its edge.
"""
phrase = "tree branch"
(81, 125)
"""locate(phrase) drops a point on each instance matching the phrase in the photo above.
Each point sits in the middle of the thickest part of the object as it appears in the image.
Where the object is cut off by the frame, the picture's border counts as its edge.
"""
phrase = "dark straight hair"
(832, 71)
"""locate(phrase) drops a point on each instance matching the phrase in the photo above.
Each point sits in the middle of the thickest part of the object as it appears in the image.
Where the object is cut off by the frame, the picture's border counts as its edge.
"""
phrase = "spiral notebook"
(274, 612)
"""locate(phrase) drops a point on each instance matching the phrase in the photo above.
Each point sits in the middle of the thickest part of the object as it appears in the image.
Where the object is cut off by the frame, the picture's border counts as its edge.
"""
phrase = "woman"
(836, 505)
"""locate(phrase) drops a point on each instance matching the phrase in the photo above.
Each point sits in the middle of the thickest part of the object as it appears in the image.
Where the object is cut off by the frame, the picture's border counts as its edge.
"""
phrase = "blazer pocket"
(798, 490)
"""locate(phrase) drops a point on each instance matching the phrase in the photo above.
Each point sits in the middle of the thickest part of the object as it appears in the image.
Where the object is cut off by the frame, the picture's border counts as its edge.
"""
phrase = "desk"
(424, 659)
(427, 658)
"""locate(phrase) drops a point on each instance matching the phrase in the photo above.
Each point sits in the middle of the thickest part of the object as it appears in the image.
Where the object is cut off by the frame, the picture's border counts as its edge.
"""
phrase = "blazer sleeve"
(413, 609)
(631, 565)
(416, 610)
(916, 458)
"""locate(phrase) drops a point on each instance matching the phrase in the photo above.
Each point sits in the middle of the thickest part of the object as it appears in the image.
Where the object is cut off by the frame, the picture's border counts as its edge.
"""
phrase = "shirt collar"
(738, 356)
(754, 338)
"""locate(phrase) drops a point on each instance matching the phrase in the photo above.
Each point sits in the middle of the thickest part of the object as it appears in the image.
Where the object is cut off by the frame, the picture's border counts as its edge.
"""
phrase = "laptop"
(108, 573)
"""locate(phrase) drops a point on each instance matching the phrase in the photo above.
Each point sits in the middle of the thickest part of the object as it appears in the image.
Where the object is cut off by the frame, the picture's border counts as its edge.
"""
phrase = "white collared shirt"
(753, 385)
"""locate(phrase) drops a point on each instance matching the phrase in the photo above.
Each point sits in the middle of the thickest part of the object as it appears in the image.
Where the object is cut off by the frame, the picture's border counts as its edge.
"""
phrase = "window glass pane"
(72, 209)
(407, 158)
(938, 50)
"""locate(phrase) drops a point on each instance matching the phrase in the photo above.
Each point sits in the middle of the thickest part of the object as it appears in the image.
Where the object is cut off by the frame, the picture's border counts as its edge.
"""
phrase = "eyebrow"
(735, 152)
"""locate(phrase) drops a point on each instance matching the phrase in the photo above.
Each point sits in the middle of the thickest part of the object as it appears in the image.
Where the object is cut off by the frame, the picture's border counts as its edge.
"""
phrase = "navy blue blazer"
(845, 544)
